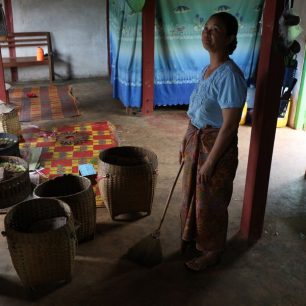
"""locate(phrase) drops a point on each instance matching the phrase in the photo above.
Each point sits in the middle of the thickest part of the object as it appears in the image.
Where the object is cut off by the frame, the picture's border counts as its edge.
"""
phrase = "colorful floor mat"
(58, 159)
(44, 102)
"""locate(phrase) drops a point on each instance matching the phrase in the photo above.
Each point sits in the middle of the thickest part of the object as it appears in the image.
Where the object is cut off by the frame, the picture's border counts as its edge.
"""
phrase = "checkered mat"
(44, 102)
(58, 159)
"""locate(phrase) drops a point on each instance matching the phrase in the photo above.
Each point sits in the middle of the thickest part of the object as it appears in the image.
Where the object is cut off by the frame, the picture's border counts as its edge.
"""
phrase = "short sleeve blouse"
(224, 88)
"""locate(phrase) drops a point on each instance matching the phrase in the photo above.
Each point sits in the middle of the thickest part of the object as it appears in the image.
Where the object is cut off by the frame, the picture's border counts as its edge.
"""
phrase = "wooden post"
(8, 9)
(267, 97)
(3, 93)
(148, 18)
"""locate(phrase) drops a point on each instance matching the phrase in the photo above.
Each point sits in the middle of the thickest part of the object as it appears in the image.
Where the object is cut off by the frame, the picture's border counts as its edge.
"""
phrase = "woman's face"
(214, 35)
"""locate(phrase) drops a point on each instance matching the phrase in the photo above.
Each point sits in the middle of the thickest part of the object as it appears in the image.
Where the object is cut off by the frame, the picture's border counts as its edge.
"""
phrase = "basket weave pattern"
(9, 123)
(43, 257)
(78, 193)
(17, 188)
(127, 187)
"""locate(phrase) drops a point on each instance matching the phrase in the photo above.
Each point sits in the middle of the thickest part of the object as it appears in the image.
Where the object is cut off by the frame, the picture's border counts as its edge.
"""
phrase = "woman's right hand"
(182, 150)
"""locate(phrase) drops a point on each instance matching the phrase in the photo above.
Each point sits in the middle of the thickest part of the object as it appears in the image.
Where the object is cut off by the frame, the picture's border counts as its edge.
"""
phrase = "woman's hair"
(231, 25)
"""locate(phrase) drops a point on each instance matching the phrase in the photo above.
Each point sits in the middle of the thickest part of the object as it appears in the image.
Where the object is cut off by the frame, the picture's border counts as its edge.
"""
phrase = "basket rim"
(129, 147)
(64, 196)
(9, 214)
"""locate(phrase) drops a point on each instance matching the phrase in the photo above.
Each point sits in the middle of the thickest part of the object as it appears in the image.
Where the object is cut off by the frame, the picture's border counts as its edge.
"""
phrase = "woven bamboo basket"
(46, 255)
(17, 188)
(127, 179)
(11, 149)
(9, 123)
(78, 193)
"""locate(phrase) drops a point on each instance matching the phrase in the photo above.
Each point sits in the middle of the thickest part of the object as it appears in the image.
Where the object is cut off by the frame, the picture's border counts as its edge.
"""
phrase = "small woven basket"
(17, 188)
(9, 123)
(78, 193)
(43, 256)
(11, 149)
(127, 179)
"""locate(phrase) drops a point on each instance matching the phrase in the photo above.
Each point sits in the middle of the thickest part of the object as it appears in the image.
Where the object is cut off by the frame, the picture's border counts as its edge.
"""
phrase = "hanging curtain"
(3, 30)
(125, 53)
(179, 54)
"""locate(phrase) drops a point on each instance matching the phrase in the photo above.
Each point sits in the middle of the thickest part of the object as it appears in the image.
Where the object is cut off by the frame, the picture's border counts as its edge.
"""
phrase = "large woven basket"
(17, 188)
(43, 256)
(9, 123)
(78, 193)
(13, 148)
(127, 179)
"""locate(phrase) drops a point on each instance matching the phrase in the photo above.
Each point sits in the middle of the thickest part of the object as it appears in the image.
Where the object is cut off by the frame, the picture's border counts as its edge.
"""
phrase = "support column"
(8, 9)
(3, 93)
(267, 97)
(148, 18)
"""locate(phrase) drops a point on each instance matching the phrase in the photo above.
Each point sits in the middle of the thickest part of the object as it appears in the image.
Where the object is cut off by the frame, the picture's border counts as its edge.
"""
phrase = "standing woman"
(209, 148)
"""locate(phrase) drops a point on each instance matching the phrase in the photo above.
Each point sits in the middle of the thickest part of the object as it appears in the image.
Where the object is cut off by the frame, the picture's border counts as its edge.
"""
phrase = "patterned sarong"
(204, 216)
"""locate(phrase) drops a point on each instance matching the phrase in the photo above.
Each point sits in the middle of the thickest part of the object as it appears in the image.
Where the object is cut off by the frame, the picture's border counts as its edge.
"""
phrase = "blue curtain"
(179, 54)
(125, 53)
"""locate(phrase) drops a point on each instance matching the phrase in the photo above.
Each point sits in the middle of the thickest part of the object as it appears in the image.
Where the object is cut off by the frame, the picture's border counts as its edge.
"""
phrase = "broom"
(148, 251)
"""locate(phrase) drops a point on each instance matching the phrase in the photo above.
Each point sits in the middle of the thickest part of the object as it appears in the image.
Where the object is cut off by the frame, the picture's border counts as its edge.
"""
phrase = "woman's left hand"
(205, 172)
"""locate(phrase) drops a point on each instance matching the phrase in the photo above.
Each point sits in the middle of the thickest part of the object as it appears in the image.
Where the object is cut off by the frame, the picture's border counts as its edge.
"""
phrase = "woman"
(209, 148)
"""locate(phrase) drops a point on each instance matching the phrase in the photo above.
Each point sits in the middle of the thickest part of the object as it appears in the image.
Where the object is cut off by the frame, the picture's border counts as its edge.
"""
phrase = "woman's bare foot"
(207, 259)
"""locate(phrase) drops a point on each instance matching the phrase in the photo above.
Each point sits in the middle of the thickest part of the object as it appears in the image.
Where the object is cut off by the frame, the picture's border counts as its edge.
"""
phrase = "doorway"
(300, 117)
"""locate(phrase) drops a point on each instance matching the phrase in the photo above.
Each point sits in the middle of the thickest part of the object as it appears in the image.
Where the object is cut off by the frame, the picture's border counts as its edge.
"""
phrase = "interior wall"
(299, 9)
(78, 30)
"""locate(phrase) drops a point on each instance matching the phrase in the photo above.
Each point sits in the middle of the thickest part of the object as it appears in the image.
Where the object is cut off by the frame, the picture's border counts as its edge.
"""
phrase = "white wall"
(78, 30)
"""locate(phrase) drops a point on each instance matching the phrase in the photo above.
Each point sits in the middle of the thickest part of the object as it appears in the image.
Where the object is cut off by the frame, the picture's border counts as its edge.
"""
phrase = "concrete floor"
(271, 272)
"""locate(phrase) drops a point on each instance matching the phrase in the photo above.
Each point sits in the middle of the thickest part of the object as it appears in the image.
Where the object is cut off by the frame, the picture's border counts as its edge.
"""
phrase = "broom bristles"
(146, 252)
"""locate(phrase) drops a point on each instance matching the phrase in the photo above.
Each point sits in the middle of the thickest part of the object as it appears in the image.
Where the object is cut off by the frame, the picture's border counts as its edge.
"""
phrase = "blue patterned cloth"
(179, 55)
(224, 88)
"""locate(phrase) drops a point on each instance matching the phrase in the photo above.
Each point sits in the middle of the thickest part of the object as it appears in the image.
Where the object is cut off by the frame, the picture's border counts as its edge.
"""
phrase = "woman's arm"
(183, 144)
(231, 119)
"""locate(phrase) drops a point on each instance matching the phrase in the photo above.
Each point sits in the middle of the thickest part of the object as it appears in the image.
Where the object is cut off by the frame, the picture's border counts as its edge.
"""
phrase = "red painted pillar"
(10, 28)
(268, 88)
(3, 92)
(148, 18)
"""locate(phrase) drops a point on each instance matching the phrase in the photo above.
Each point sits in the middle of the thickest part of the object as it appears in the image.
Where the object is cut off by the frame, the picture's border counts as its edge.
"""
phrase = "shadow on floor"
(10, 288)
(235, 248)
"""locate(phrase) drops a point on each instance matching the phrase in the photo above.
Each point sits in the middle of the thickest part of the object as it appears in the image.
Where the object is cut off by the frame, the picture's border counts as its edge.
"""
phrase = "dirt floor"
(270, 272)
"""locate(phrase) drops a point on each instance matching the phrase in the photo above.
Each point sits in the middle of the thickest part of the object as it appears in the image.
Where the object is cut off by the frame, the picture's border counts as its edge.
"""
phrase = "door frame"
(300, 115)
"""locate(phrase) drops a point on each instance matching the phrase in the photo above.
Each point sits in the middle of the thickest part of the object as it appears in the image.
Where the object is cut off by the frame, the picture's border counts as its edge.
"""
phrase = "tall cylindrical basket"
(9, 123)
(41, 240)
(78, 193)
(127, 179)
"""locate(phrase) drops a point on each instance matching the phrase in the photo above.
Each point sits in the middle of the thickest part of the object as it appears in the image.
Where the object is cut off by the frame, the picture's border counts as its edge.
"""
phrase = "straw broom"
(148, 251)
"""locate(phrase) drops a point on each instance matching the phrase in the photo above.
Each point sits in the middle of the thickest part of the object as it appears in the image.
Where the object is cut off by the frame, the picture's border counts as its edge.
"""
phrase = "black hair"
(231, 25)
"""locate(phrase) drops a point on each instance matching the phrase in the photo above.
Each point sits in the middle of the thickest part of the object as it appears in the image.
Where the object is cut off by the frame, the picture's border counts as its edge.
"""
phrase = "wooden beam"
(8, 9)
(148, 18)
(267, 97)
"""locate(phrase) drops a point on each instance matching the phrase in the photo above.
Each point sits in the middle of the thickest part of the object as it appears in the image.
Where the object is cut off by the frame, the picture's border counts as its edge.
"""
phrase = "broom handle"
(170, 196)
